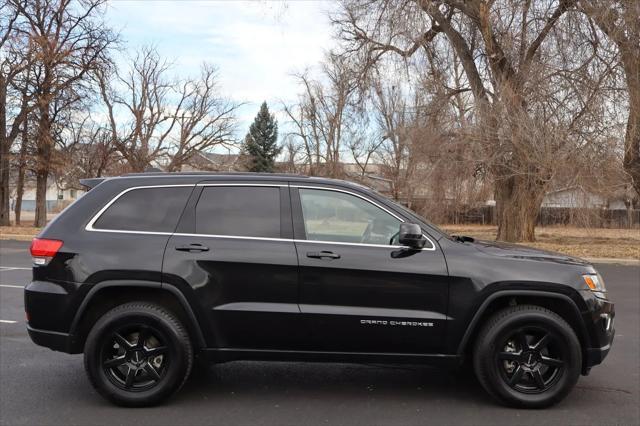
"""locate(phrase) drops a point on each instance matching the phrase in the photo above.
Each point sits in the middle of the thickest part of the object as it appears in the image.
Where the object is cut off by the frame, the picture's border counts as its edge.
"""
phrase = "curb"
(16, 237)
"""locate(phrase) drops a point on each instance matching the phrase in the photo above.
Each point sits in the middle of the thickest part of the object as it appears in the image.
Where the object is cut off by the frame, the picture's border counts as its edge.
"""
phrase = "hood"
(516, 251)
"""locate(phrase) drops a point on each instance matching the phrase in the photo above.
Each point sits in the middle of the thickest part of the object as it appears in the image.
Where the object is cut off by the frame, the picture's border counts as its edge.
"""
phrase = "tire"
(138, 354)
(520, 367)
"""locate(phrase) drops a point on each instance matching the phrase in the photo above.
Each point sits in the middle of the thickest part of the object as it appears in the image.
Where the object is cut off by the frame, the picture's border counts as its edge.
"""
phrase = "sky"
(257, 45)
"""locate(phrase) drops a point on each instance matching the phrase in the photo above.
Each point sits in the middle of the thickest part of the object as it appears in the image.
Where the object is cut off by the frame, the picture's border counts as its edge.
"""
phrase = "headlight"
(595, 283)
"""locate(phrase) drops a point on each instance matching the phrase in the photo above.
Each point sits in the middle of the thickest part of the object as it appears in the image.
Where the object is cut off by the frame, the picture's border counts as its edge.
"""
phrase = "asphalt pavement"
(42, 387)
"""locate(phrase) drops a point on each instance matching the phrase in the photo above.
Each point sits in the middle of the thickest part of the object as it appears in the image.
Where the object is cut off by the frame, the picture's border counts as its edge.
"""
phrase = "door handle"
(323, 255)
(192, 248)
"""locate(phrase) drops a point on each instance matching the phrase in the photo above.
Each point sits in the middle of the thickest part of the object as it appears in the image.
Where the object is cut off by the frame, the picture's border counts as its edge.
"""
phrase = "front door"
(234, 248)
(359, 290)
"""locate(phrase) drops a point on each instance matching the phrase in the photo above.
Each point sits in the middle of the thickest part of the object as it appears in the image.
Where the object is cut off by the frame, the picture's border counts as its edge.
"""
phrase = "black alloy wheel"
(530, 360)
(527, 356)
(135, 357)
(138, 354)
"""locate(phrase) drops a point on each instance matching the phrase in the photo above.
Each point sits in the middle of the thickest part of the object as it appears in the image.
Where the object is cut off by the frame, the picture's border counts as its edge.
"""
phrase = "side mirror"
(410, 235)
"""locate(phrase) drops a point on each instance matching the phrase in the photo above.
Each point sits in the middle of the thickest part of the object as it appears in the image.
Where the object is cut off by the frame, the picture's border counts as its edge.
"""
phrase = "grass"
(20, 233)
(581, 242)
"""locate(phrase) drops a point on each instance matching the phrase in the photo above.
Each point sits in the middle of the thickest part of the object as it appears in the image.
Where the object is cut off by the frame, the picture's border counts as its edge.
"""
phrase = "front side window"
(239, 211)
(340, 217)
(145, 209)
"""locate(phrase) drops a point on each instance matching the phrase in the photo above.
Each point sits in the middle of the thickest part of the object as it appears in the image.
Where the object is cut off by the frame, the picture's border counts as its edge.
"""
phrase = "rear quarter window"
(145, 209)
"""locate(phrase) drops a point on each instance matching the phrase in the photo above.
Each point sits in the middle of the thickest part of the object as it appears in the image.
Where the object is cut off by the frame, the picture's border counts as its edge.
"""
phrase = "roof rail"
(213, 174)
(91, 183)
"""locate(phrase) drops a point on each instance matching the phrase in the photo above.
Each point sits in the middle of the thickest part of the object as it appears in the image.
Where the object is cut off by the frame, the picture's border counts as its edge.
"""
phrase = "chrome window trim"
(95, 217)
(89, 226)
(273, 185)
(290, 240)
(93, 220)
(340, 243)
(432, 248)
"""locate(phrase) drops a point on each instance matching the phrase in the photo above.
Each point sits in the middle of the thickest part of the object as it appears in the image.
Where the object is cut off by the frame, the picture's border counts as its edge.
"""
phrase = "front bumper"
(595, 356)
(601, 323)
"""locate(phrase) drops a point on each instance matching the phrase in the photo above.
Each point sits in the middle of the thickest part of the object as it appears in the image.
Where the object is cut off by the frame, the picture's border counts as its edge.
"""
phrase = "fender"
(140, 283)
(506, 293)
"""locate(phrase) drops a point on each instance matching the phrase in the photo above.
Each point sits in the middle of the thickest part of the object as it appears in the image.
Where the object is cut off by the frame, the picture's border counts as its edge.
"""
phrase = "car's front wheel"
(138, 354)
(527, 356)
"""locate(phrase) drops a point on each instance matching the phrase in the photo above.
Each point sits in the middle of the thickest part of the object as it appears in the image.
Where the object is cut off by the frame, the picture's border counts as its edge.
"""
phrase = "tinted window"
(340, 217)
(146, 209)
(240, 211)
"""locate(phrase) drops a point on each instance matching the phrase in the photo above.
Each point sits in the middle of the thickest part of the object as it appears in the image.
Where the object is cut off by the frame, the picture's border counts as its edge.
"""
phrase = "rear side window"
(239, 211)
(145, 209)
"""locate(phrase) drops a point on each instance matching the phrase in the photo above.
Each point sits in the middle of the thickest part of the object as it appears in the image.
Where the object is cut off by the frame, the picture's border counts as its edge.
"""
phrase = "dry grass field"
(581, 242)
(20, 233)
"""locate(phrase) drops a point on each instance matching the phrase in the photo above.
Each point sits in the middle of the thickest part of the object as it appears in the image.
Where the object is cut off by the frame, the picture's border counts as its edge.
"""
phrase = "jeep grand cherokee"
(147, 272)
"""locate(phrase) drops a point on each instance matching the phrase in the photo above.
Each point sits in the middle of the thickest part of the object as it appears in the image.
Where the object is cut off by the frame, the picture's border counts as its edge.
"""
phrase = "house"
(212, 162)
(576, 197)
(56, 198)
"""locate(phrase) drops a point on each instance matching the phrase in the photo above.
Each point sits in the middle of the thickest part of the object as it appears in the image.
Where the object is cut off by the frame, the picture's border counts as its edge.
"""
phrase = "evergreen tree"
(261, 143)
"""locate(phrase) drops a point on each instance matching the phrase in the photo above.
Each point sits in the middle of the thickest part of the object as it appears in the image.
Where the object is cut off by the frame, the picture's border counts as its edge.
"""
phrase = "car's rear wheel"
(138, 354)
(527, 356)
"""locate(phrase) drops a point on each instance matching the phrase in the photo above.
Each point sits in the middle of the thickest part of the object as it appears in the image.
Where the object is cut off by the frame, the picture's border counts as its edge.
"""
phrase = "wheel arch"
(106, 295)
(559, 303)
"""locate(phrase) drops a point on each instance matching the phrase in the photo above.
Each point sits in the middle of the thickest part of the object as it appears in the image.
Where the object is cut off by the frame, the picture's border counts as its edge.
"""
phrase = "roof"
(615, 192)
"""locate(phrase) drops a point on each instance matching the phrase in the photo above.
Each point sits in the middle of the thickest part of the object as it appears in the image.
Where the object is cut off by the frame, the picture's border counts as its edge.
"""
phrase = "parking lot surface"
(42, 387)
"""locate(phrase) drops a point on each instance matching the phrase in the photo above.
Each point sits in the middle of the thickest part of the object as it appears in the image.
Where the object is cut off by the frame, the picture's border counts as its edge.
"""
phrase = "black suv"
(146, 273)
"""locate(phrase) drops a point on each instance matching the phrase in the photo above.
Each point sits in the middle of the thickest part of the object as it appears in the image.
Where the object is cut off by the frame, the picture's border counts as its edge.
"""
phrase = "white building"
(576, 197)
(57, 198)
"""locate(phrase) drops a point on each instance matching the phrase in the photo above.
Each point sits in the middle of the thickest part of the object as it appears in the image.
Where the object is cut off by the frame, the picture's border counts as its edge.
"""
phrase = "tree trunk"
(41, 198)
(45, 148)
(22, 164)
(4, 156)
(19, 193)
(517, 208)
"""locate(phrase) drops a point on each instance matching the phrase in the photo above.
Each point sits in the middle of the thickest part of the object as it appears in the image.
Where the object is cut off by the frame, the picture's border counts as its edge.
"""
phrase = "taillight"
(43, 250)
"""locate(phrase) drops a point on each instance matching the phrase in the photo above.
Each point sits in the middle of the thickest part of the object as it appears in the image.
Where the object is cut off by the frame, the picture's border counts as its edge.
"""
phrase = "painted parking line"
(8, 322)
(12, 286)
(14, 268)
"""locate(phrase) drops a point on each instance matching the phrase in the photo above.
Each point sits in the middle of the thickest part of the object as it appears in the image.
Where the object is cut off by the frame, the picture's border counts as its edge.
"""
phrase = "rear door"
(234, 248)
(360, 291)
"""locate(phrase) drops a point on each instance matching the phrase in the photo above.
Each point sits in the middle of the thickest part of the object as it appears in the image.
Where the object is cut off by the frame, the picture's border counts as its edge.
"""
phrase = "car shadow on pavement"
(348, 381)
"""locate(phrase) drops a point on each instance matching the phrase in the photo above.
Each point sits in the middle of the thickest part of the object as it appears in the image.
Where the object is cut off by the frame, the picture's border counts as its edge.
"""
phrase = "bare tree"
(14, 61)
(69, 41)
(167, 120)
(291, 149)
(144, 97)
(321, 117)
(507, 51)
(206, 120)
(87, 152)
(620, 21)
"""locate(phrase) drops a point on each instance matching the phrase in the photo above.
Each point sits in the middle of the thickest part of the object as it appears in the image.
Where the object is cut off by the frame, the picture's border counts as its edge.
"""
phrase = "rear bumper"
(51, 339)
